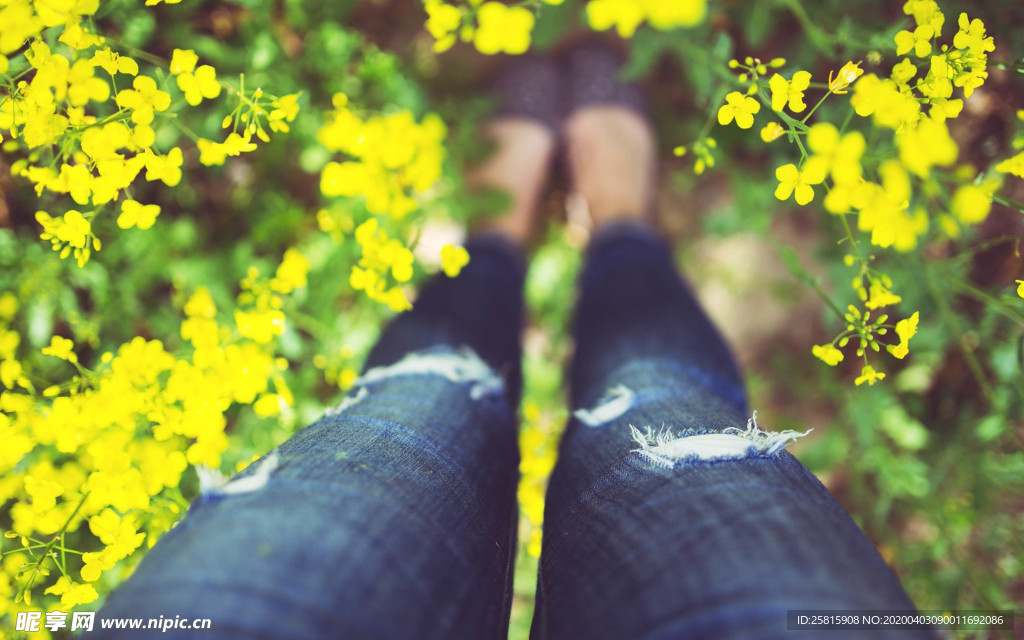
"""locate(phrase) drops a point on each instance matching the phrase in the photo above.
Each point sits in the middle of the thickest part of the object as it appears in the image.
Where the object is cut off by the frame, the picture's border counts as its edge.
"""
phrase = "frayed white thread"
(213, 483)
(463, 366)
(665, 449)
(347, 402)
(615, 402)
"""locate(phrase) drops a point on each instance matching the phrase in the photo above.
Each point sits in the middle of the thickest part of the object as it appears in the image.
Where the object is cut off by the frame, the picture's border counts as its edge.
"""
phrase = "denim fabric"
(393, 518)
(698, 548)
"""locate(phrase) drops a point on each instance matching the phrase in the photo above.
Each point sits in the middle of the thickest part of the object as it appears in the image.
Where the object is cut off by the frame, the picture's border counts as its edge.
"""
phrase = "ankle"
(519, 166)
(611, 152)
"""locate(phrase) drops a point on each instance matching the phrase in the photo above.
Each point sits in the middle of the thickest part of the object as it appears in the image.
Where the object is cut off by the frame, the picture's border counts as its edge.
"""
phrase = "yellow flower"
(399, 258)
(143, 100)
(926, 145)
(83, 86)
(905, 329)
(789, 91)
(902, 73)
(70, 234)
(98, 562)
(739, 107)
(832, 153)
(944, 109)
(183, 61)
(201, 84)
(920, 40)
(668, 14)
(200, 304)
(114, 63)
(76, 229)
(972, 36)
(343, 178)
(78, 38)
(8, 306)
(136, 214)
(883, 209)
(267, 405)
(291, 273)
(624, 15)
(396, 300)
(443, 20)
(71, 593)
(882, 98)
(1013, 165)
(846, 76)
(793, 181)
(10, 371)
(347, 377)
(772, 131)
(971, 203)
(393, 155)
(214, 153)
(1020, 287)
(453, 259)
(827, 353)
(166, 168)
(61, 347)
(260, 326)
(20, 23)
(283, 110)
(937, 84)
(925, 12)
(880, 296)
(869, 375)
(627, 15)
(44, 493)
(502, 29)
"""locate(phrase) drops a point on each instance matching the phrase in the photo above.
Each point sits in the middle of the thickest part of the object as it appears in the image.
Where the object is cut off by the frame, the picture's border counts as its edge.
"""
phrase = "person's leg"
(393, 517)
(668, 514)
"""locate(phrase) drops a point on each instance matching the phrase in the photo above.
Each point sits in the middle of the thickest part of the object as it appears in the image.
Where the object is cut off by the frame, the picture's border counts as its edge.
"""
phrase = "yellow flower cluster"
(492, 27)
(626, 15)
(245, 120)
(382, 257)
(453, 259)
(495, 27)
(82, 137)
(101, 455)
(391, 161)
(392, 158)
(913, 103)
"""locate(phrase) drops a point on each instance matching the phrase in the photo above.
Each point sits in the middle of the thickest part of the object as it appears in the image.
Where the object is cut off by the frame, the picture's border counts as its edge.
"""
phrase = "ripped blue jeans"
(670, 514)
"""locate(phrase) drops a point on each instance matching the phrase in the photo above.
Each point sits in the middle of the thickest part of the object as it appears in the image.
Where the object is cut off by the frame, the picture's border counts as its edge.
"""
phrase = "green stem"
(997, 304)
(181, 127)
(46, 552)
(1013, 204)
(139, 53)
(853, 241)
(1006, 202)
(954, 325)
(811, 112)
(982, 246)
(846, 121)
